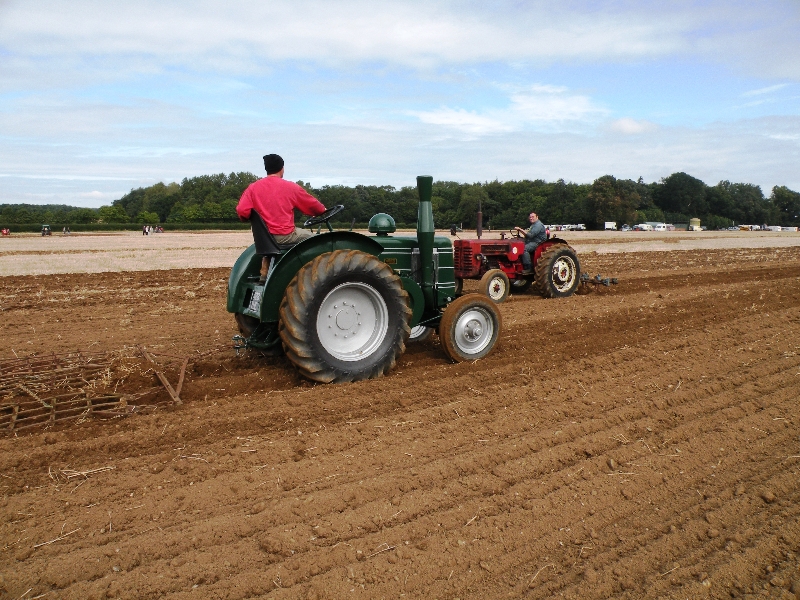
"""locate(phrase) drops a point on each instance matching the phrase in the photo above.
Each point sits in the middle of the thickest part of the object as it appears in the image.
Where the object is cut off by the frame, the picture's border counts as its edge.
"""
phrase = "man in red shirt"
(275, 199)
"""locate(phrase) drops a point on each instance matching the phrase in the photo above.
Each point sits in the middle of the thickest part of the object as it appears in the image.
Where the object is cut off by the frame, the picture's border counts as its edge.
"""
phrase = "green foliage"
(612, 199)
(147, 218)
(682, 193)
(208, 198)
(210, 201)
(786, 204)
(112, 214)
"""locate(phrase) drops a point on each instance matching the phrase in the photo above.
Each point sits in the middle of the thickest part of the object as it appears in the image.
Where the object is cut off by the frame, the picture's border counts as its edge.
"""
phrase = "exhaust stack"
(425, 233)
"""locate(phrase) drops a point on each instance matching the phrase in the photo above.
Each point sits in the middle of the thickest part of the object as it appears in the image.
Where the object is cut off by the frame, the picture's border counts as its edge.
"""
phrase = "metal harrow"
(42, 390)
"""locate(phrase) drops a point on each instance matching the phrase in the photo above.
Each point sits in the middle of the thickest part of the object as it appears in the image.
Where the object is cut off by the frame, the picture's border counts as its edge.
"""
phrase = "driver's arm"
(307, 204)
(245, 205)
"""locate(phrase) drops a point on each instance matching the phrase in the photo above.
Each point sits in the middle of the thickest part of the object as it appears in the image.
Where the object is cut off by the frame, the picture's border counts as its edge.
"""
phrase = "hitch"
(239, 343)
(598, 280)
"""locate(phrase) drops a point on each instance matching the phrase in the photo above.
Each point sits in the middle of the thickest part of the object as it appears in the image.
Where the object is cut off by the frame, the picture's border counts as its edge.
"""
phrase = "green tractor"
(342, 305)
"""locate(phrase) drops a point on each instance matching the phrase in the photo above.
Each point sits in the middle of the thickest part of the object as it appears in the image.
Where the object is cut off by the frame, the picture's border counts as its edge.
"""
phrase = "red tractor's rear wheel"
(495, 284)
(558, 271)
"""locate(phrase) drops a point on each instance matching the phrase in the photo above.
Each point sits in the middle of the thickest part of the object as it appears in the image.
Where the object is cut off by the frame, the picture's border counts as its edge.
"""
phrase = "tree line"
(674, 199)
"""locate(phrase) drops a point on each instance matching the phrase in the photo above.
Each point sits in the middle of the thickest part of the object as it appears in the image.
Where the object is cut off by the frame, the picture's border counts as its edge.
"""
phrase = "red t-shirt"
(275, 200)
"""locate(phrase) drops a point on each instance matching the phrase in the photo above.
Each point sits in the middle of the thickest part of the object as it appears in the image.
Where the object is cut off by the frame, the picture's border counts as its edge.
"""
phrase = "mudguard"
(245, 272)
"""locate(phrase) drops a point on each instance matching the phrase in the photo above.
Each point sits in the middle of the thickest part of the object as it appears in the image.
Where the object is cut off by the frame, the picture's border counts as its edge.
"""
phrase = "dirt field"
(638, 442)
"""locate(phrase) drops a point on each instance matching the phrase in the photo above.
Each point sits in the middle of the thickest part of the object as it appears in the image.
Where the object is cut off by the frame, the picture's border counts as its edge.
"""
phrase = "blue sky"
(97, 98)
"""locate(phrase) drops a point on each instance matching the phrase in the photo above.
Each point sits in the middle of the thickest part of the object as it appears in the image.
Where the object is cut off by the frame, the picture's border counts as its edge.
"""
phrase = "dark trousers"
(530, 248)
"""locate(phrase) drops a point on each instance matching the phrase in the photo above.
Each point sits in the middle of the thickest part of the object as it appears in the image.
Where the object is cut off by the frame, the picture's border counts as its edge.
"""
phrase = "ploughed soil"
(637, 442)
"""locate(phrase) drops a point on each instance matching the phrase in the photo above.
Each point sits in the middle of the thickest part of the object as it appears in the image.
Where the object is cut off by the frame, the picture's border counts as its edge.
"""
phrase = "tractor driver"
(275, 199)
(534, 236)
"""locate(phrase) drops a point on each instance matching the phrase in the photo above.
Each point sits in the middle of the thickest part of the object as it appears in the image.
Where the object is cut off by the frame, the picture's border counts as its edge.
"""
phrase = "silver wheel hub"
(497, 288)
(352, 321)
(474, 330)
(417, 331)
(564, 273)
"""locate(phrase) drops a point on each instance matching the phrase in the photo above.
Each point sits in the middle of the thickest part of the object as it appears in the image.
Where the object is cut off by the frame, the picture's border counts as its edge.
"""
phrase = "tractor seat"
(265, 242)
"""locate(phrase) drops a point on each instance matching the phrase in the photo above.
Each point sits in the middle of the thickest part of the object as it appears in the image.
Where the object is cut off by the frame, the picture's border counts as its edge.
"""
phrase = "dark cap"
(273, 163)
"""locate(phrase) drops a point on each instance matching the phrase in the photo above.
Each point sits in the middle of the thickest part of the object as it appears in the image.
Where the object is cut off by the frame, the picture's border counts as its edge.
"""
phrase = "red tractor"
(498, 265)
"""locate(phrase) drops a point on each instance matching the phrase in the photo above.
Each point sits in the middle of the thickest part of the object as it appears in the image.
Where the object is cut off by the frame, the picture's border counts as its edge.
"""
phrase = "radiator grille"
(462, 258)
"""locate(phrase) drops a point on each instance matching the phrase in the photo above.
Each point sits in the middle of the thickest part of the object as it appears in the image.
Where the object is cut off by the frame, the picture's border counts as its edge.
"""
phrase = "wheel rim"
(417, 331)
(473, 330)
(352, 321)
(497, 288)
(564, 273)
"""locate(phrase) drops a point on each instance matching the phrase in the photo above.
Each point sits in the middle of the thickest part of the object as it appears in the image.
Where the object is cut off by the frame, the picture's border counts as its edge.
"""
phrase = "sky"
(101, 97)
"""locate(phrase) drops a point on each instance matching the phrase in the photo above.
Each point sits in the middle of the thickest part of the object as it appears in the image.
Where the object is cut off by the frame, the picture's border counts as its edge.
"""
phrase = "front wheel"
(495, 284)
(558, 271)
(469, 327)
(344, 317)
(420, 333)
(519, 286)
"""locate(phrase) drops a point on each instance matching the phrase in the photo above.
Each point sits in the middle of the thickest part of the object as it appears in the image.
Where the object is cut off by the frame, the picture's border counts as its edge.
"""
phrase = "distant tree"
(611, 199)
(720, 202)
(112, 214)
(24, 215)
(681, 193)
(83, 215)
(787, 205)
(147, 218)
(471, 197)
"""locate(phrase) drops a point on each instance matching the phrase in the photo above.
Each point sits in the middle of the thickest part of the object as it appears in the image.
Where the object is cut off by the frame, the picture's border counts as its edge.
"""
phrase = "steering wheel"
(516, 234)
(324, 217)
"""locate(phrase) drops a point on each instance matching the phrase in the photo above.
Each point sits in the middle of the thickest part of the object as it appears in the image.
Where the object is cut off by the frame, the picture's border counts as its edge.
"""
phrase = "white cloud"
(551, 104)
(630, 126)
(246, 36)
(766, 90)
(99, 96)
(763, 151)
(460, 119)
(96, 196)
(539, 106)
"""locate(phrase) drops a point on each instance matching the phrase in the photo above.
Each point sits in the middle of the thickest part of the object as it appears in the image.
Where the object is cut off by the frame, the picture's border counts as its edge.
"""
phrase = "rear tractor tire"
(469, 327)
(344, 317)
(495, 285)
(558, 272)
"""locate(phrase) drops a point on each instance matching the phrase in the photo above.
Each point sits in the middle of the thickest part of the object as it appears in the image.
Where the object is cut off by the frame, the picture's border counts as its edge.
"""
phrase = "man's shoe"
(527, 272)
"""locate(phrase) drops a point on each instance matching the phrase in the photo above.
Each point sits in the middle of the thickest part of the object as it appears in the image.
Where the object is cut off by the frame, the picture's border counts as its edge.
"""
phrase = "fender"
(289, 263)
(545, 245)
